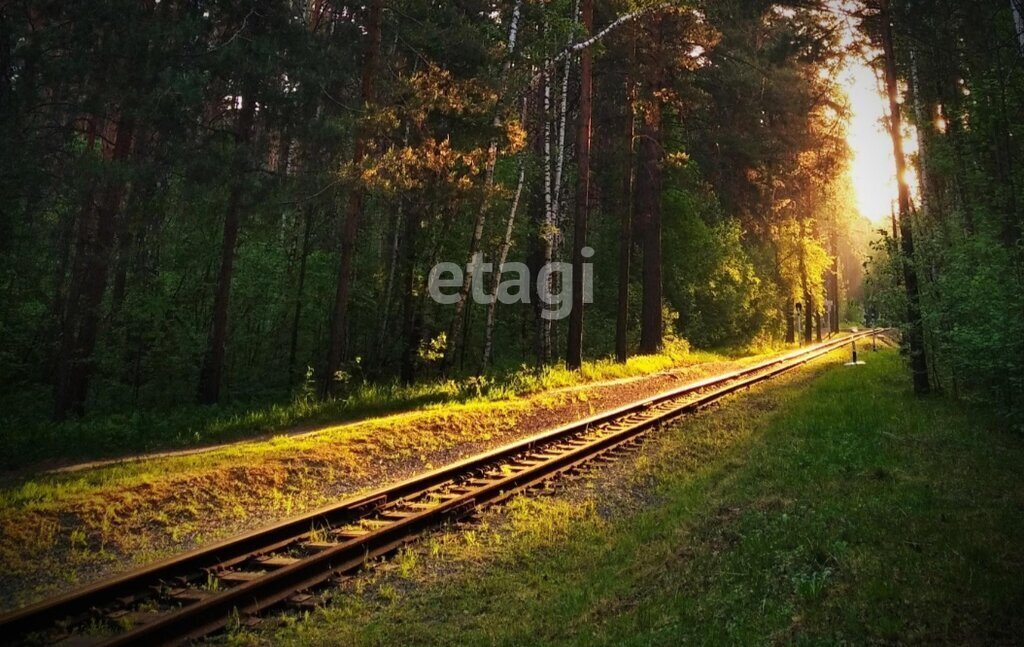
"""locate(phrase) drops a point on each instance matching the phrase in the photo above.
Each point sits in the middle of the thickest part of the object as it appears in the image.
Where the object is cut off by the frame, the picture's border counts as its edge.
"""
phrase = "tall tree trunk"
(648, 195)
(1017, 6)
(212, 374)
(562, 119)
(458, 327)
(397, 225)
(921, 125)
(790, 322)
(538, 215)
(410, 327)
(76, 361)
(62, 319)
(384, 326)
(354, 206)
(541, 238)
(549, 226)
(574, 355)
(808, 320)
(136, 202)
(293, 344)
(557, 227)
(506, 245)
(833, 283)
(1004, 148)
(626, 219)
(804, 282)
(918, 359)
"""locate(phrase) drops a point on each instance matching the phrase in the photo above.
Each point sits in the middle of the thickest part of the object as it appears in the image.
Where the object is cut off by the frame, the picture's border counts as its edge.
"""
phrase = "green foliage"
(976, 330)
(711, 278)
(177, 77)
(967, 232)
(432, 351)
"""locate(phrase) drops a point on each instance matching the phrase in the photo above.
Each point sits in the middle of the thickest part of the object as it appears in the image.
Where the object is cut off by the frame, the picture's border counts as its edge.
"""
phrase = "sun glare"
(872, 169)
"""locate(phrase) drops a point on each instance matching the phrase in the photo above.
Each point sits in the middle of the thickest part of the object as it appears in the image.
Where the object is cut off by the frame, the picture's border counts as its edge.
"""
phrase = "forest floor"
(828, 506)
(63, 528)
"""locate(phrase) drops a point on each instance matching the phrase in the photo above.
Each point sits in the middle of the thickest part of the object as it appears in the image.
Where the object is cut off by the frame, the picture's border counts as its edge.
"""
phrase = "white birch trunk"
(1018, 20)
(481, 217)
(506, 245)
(557, 226)
(549, 214)
(560, 146)
(562, 118)
(513, 30)
(612, 26)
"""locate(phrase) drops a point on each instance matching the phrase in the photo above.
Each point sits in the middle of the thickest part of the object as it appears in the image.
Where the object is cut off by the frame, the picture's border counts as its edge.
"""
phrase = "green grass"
(826, 511)
(28, 437)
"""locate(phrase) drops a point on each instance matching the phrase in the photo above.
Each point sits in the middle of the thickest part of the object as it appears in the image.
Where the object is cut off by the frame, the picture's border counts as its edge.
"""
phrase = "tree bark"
(137, 198)
(549, 226)
(506, 245)
(808, 320)
(626, 217)
(833, 283)
(1004, 149)
(790, 322)
(921, 125)
(918, 359)
(538, 216)
(384, 326)
(393, 267)
(354, 207)
(293, 344)
(1017, 6)
(562, 118)
(410, 327)
(805, 282)
(211, 375)
(648, 196)
(574, 355)
(94, 248)
(70, 233)
(458, 325)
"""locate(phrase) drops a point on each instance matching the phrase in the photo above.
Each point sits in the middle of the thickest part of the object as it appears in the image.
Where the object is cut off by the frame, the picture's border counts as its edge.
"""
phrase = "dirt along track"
(203, 591)
(61, 530)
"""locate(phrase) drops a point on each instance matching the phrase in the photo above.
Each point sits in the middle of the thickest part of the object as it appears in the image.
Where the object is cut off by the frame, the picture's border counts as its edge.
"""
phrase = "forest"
(211, 203)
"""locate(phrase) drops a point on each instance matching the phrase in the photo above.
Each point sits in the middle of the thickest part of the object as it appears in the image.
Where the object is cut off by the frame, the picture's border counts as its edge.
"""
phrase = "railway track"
(203, 591)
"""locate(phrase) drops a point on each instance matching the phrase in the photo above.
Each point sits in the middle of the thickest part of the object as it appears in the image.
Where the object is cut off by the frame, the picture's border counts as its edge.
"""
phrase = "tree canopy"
(214, 200)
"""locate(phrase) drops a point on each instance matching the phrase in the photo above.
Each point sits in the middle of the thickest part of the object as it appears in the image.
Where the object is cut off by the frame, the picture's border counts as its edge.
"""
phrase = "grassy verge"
(824, 511)
(27, 436)
(58, 529)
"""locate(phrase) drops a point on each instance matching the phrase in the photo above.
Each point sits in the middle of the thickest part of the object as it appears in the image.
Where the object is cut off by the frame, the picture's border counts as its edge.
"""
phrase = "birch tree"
(457, 326)
(574, 354)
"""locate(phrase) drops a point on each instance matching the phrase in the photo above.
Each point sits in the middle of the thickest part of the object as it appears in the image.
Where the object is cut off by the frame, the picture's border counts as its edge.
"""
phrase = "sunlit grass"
(139, 510)
(28, 438)
(843, 511)
(445, 407)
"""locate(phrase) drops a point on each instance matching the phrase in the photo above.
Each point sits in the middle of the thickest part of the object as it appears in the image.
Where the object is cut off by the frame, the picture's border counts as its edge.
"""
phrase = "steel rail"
(401, 512)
